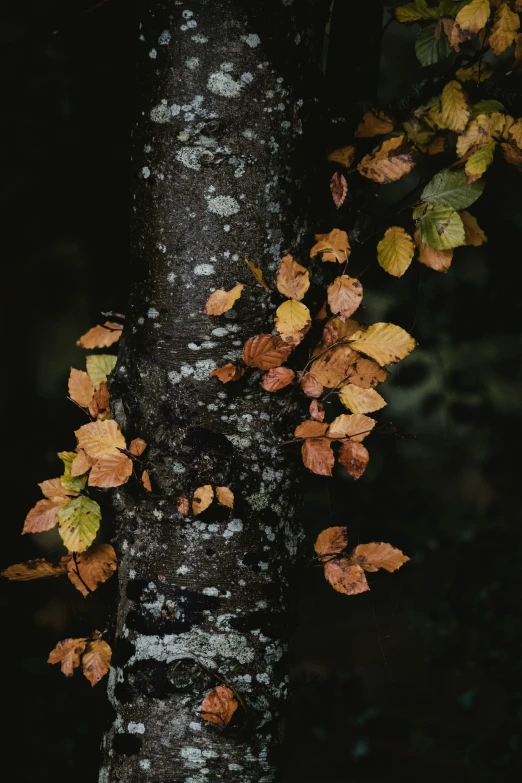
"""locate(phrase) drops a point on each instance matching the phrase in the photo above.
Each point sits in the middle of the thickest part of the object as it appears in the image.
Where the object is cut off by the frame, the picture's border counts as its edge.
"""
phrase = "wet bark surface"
(218, 175)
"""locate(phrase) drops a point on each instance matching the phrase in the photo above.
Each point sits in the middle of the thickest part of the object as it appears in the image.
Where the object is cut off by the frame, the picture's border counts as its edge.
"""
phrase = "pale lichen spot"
(152, 312)
(136, 728)
(211, 591)
(153, 54)
(221, 83)
(198, 38)
(223, 205)
(204, 269)
(192, 63)
(164, 38)
(251, 40)
(160, 113)
(145, 172)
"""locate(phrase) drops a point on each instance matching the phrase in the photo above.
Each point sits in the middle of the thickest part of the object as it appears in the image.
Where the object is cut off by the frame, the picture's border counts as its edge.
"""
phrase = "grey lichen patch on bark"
(218, 171)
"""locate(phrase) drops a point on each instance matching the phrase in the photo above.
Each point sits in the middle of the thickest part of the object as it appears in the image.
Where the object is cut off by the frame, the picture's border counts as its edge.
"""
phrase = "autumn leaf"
(333, 366)
(87, 570)
(256, 271)
(367, 374)
(67, 653)
(72, 484)
(415, 11)
(293, 280)
(344, 296)
(505, 29)
(439, 260)
(277, 379)
(318, 455)
(439, 227)
(432, 45)
(225, 496)
(310, 429)
(78, 523)
(450, 189)
(334, 246)
(483, 128)
(479, 161)
(455, 107)
(512, 155)
(310, 386)
(478, 72)
(354, 426)
(338, 189)
(265, 351)
(337, 329)
(203, 497)
(183, 506)
(354, 457)
(35, 569)
(219, 706)
(343, 155)
(331, 541)
(101, 336)
(145, 480)
(374, 123)
(53, 488)
(384, 342)
(361, 400)
(221, 301)
(100, 366)
(471, 19)
(96, 660)
(81, 389)
(100, 438)
(137, 447)
(44, 515)
(395, 251)
(81, 464)
(388, 162)
(111, 470)
(229, 372)
(345, 577)
(375, 555)
(100, 403)
(316, 411)
(473, 233)
(292, 320)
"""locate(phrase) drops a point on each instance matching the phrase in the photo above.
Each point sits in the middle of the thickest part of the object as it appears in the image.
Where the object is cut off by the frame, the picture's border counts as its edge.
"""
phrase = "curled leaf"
(331, 541)
(354, 457)
(203, 497)
(342, 155)
(333, 247)
(316, 411)
(67, 653)
(293, 279)
(256, 271)
(145, 480)
(277, 378)
(219, 706)
(91, 568)
(96, 660)
(99, 407)
(183, 506)
(101, 336)
(229, 372)
(338, 189)
(221, 301)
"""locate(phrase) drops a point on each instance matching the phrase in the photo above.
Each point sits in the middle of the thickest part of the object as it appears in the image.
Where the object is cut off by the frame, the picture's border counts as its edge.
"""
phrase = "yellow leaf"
(478, 72)
(100, 366)
(455, 109)
(343, 155)
(293, 280)
(505, 28)
(439, 260)
(96, 660)
(374, 123)
(333, 246)
(344, 296)
(78, 523)
(355, 427)
(203, 497)
(333, 366)
(388, 162)
(292, 321)
(100, 437)
(472, 18)
(35, 569)
(360, 400)
(256, 271)
(479, 161)
(473, 233)
(221, 301)
(395, 251)
(384, 342)
(480, 130)
(81, 389)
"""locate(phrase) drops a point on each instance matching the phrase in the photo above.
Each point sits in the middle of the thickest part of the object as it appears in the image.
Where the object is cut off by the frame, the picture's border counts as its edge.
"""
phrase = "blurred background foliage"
(419, 677)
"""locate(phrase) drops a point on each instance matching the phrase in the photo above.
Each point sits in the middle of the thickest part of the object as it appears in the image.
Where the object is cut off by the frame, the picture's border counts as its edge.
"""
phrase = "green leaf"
(78, 523)
(430, 50)
(486, 107)
(71, 483)
(439, 226)
(100, 366)
(479, 161)
(450, 189)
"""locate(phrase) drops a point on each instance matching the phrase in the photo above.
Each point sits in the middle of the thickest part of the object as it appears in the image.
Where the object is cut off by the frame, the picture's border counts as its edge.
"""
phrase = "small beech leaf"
(100, 366)
(310, 386)
(481, 129)
(373, 556)
(277, 379)
(53, 488)
(395, 251)
(100, 403)
(360, 400)
(225, 496)
(439, 260)
(318, 455)
(334, 366)
(292, 321)
(293, 280)
(67, 653)
(471, 19)
(81, 464)
(384, 342)
(96, 660)
(455, 108)
(310, 429)
(44, 516)
(219, 706)
(81, 389)
(333, 247)
(354, 457)
(89, 569)
(331, 541)
(345, 577)
(343, 155)
(450, 189)
(338, 189)
(367, 374)
(316, 411)
(203, 497)
(145, 481)
(183, 506)
(256, 271)
(344, 296)
(111, 470)
(388, 162)
(473, 233)
(355, 427)
(374, 123)
(265, 351)
(229, 372)
(439, 227)
(221, 301)
(100, 438)
(35, 569)
(101, 336)
(72, 484)
(479, 161)
(137, 447)
(78, 523)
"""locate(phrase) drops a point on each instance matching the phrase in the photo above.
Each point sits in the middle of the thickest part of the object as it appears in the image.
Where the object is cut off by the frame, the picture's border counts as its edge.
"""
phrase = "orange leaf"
(91, 568)
(388, 162)
(225, 496)
(100, 404)
(137, 447)
(354, 457)
(229, 372)
(334, 365)
(265, 351)
(345, 577)
(35, 569)
(221, 301)
(81, 389)
(101, 336)
(377, 555)
(145, 480)
(338, 189)
(183, 506)
(333, 246)
(316, 411)
(96, 660)
(366, 373)
(318, 455)
(67, 654)
(44, 515)
(203, 497)
(439, 260)
(310, 429)
(310, 386)
(331, 541)
(374, 123)
(111, 470)
(53, 488)
(293, 280)
(344, 296)
(100, 438)
(81, 464)
(343, 155)
(277, 378)
(219, 706)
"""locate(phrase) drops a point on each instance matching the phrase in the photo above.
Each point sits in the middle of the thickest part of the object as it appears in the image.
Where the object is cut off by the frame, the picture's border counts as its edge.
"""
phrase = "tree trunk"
(218, 171)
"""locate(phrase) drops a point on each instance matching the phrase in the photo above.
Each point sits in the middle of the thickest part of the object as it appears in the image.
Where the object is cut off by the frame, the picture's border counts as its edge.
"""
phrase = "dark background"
(421, 676)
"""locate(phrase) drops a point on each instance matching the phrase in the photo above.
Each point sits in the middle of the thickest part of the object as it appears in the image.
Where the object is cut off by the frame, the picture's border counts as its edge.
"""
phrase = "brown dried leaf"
(361, 400)
(310, 386)
(334, 365)
(96, 660)
(338, 189)
(101, 336)
(343, 155)
(374, 123)
(318, 455)
(100, 403)
(266, 351)
(322, 313)
(111, 470)
(293, 280)
(377, 555)
(512, 155)
(53, 488)
(100, 437)
(367, 374)
(81, 464)
(472, 231)
(203, 497)
(331, 541)
(345, 577)
(137, 447)
(505, 29)
(336, 330)
(388, 162)
(225, 496)
(333, 246)
(277, 378)
(344, 296)
(44, 516)
(310, 429)
(482, 129)
(355, 426)
(183, 506)
(145, 480)
(86, 570)
(354, 457)
(221, 301)
(35, 569)
(67, 653)
(439, 260)
(81, 389)
(219, 706)
(256, 271)
(229, 372)
(316, 411)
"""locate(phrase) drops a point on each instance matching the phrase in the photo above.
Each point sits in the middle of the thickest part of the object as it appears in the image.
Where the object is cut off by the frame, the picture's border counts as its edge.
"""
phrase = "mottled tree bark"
(217, 144)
